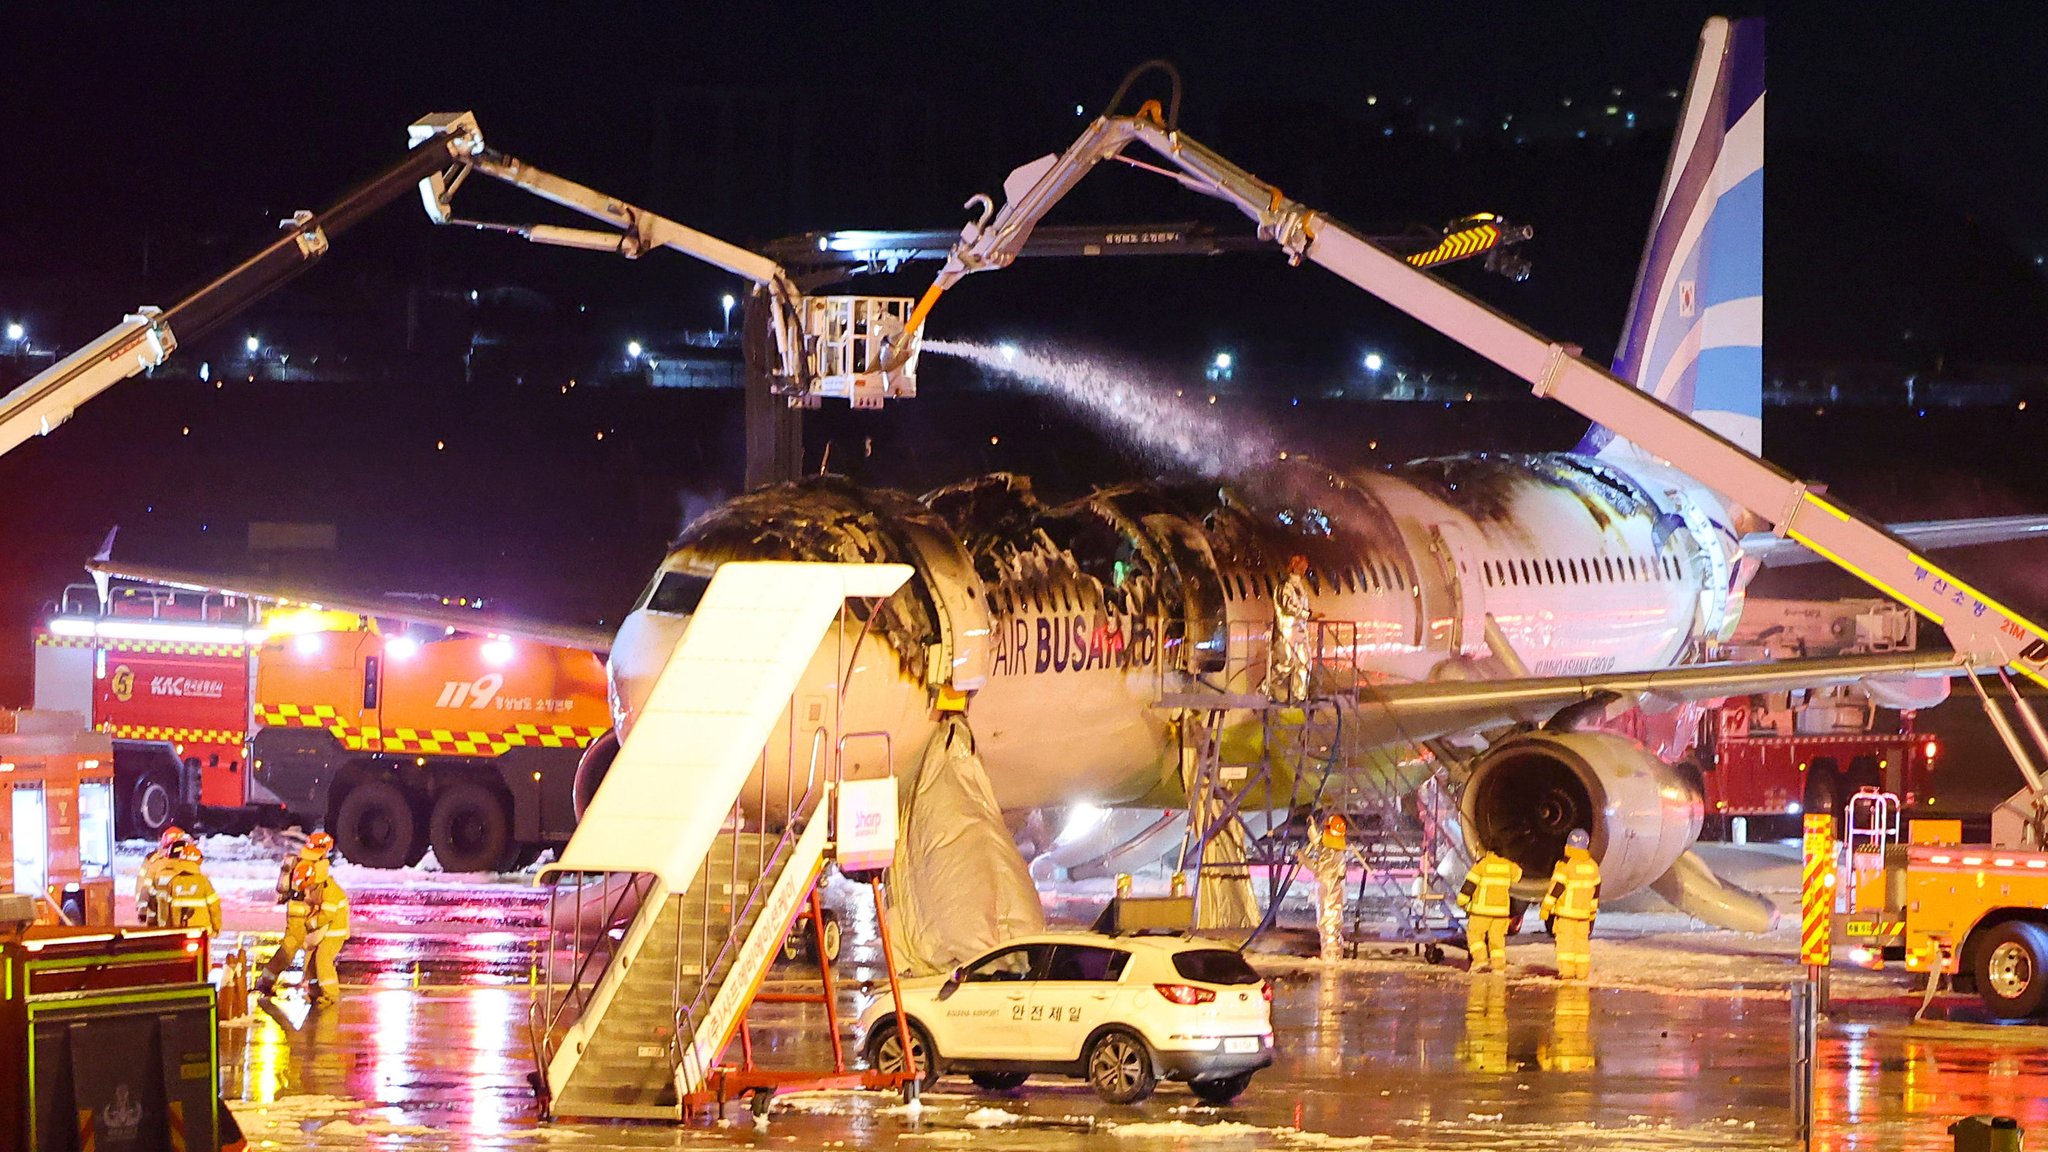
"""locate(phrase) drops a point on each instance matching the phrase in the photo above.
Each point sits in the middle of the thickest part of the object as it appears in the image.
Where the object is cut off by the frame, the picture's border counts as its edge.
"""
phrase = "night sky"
(149, 148)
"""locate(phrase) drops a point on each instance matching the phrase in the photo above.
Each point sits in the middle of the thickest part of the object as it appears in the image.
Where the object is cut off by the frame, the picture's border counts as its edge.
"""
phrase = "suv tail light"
(1266, 990)
(1185, 993)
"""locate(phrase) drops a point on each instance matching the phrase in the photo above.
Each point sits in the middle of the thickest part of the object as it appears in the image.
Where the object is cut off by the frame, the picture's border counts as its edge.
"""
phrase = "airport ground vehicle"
(1768, 761)
(56, 818)
(1976, 912)
(392, 741)
(1122, 1012)
(1773, 756)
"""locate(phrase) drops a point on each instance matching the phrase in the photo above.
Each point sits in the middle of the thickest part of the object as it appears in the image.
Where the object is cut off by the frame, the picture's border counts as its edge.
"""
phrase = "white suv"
(1122, 1012)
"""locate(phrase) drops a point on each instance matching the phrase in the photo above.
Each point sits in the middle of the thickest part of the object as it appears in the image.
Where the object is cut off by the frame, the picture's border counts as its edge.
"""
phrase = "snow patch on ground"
(991, 1118)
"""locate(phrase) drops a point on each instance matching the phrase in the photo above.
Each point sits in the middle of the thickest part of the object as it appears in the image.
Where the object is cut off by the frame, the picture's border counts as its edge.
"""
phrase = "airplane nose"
(639, 652)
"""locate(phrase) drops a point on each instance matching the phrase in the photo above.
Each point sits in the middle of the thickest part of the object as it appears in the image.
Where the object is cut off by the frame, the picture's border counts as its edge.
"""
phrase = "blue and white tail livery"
(1694, 333)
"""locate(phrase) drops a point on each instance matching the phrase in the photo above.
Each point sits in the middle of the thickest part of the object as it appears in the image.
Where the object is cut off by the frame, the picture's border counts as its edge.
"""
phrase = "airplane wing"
(390, 608)
(1779, 552)
(1406, 713)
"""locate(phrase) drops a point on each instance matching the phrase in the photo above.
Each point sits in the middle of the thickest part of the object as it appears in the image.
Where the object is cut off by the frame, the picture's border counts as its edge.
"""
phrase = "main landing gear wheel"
(377, 828)
(1120, 1068)
(2012, 969)
(885, 1053)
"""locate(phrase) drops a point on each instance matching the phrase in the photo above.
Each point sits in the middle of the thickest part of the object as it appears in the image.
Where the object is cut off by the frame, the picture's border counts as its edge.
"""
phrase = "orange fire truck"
(395, 740)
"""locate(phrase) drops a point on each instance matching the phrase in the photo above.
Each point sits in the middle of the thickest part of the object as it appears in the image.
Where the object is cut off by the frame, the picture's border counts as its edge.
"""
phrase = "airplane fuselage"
(1065, 625)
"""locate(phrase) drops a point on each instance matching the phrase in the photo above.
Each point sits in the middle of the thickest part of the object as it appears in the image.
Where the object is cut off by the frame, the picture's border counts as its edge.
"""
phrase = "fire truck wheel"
(377, 828)
(152, 805)
(2012, 969)
(471, 830)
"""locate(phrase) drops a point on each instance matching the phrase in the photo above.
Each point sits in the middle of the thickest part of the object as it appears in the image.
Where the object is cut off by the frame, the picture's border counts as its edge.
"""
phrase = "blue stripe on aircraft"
(1735, 236)
(1730, 380)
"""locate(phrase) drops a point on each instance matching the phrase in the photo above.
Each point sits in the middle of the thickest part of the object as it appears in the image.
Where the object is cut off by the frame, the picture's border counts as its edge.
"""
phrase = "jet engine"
(1528, 792)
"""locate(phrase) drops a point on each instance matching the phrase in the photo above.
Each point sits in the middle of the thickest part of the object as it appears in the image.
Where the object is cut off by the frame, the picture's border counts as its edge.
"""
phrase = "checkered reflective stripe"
(159, 647)
(181, 735)
(444, 741)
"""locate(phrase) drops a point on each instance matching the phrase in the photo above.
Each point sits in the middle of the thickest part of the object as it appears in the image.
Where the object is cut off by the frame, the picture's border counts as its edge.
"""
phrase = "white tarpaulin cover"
(712, 708)
(959, 886)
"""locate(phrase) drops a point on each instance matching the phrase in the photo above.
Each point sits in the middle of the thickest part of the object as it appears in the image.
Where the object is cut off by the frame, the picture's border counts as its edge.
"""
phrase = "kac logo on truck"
(186, 686)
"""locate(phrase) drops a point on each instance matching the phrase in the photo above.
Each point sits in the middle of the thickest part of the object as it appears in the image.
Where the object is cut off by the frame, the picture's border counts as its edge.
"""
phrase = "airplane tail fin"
(1694, 332)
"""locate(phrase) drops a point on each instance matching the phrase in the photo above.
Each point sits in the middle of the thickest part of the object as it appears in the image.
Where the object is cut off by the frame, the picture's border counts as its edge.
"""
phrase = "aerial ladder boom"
(148, 336)
(1984, 633)
(824, 346)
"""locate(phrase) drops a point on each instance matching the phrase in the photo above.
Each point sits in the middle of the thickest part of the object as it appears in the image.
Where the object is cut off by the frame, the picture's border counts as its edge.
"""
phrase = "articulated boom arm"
(1983, 632)
(637, 230)
(148, 336)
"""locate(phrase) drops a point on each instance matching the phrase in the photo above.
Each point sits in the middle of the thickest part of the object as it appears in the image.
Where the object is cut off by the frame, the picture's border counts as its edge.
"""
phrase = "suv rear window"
(1214, 966)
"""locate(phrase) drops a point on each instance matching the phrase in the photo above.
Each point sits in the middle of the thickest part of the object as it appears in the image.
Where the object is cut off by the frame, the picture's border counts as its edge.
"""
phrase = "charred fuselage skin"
(1061, 625)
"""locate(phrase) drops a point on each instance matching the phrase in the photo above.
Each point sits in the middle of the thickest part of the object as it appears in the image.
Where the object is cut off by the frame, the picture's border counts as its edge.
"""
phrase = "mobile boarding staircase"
(683, 895)
(1310, 758)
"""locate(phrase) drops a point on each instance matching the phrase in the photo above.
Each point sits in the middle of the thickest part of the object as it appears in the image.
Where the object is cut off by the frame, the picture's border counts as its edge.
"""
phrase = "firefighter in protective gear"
(150, 875)
(1570, 905)
(1485, 898)
(297, 879)
(1287, 658)
(185, 897)
(326, 932)
(1326, 856)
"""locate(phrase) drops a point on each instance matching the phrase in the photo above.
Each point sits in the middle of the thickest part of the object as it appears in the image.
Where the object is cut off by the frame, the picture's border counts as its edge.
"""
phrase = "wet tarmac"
(1428, 1058)
(1682, 1041)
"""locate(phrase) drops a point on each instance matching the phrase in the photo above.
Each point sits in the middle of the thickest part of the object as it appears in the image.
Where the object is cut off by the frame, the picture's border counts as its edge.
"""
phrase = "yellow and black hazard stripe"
(1458, 245)
(156, 647)
(181, 735)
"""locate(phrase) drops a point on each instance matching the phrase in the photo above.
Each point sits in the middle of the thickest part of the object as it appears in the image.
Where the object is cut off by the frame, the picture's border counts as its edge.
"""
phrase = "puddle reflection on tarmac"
(1387, 1059)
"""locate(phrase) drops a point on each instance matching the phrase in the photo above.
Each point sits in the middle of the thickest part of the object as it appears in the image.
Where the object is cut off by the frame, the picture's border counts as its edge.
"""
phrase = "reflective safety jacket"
(186, 898)
(1574, 887)
(148, 879)
(328, 914)
(1485, 892)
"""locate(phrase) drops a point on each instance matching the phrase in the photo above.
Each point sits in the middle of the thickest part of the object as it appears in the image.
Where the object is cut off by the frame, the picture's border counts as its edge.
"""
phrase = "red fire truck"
(167, 673)
(1785, 753)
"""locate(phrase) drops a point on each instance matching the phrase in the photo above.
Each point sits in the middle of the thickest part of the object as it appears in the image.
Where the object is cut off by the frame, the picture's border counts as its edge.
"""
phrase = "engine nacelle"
(1527, 793)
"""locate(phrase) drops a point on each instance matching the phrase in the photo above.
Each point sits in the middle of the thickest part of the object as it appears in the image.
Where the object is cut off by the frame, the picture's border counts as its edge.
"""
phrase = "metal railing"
(683, 1040)
(549, 1017)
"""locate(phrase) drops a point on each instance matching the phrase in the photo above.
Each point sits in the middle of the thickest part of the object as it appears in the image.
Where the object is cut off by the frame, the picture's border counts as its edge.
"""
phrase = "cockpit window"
(678, 593)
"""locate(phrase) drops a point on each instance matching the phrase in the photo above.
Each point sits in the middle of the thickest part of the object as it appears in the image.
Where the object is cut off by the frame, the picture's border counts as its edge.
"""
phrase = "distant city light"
(1223, 361)
(15, 331)
(726, 302)
(1077, 110)
(633, 349)
(472, 295)
(253, 345)
(1374, 362)
(205, 371)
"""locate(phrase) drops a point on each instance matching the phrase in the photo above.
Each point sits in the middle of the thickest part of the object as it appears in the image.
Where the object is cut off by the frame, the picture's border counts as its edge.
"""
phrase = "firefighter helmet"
(1578, 838)
(188, 849)
(172, 835)
(318, 845)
